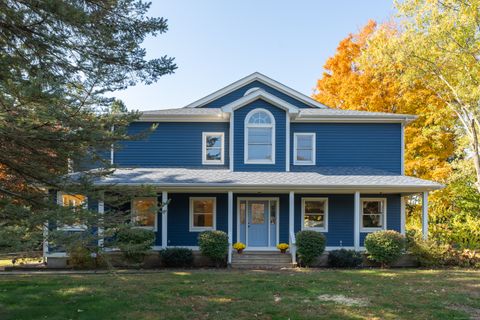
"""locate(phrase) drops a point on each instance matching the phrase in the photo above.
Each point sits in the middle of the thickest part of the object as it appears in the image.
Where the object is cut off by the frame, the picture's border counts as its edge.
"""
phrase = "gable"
(238, 89)
(239, 93)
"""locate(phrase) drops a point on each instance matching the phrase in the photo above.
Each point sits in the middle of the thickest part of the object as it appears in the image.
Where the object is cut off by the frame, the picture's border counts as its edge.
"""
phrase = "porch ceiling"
(319, 179)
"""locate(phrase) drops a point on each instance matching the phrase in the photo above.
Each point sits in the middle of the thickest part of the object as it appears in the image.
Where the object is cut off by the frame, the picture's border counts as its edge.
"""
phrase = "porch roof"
(318, 179)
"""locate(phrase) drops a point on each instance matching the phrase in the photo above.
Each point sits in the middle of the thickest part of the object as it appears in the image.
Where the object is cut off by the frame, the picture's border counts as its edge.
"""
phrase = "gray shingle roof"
(307, 113)
(330, 178)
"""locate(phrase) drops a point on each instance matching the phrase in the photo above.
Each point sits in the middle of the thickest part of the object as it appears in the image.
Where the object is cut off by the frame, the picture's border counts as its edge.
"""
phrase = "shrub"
(80, 257)
(214, 245)
(310, 244)
(431, 254)
(344, 258)
(177, 257)
(134, 242)
(384, 246)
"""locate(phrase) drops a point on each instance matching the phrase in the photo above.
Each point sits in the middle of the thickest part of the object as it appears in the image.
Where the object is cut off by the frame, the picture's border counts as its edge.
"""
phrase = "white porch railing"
(293, 248)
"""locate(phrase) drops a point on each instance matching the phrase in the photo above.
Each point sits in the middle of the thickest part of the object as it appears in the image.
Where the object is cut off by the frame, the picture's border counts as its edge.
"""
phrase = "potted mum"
(282, 247)
(239, 247)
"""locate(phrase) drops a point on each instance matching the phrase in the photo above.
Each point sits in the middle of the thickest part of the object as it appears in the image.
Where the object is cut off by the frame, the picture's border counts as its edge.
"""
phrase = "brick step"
(261, 266)
(260, 260)
(261, 253)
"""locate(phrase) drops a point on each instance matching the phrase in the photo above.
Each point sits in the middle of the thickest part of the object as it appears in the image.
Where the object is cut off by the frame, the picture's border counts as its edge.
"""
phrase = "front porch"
(263, 219)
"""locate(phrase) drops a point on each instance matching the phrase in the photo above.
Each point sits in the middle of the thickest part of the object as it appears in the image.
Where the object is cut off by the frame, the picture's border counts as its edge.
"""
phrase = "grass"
(223, 294)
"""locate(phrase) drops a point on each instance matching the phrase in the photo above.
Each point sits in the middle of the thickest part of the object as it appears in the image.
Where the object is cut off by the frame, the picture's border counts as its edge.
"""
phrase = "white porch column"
(230, 225)
(101, 211)
(356, 221)
(164, 219)
(425, 215)
(291, 213)
(403, 217)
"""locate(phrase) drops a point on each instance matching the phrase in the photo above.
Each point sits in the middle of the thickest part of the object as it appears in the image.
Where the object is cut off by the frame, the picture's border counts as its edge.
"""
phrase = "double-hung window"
(144, 211)
(213, 148)
(373, 214)
(260, 137)
(304, 148)
(202, 213)
(77, 202)
(315, 214)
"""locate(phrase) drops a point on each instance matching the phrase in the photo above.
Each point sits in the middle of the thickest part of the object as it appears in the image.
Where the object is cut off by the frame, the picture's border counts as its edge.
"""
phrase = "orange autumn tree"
(346, 84)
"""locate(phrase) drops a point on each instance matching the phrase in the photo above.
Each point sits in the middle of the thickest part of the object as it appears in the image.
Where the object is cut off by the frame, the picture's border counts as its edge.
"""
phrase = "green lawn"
(223, 294)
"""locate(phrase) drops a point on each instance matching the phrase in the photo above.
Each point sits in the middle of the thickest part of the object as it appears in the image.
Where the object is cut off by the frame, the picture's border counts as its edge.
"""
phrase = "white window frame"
(214, 215)
(132, 214)
(252, 125)
(325, 228)
(314, 149)
(384, 217)
(66, 227)
(204, 148)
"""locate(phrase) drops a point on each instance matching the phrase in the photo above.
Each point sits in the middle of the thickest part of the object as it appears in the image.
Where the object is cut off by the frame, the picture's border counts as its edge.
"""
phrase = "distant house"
(261, 162)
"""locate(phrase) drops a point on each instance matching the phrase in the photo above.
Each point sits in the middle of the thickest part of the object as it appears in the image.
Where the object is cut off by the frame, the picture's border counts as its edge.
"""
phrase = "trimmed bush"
(214, 245)
(135, 243)
(344, 258)
(385, 246)
(177, 257)
(310, 245)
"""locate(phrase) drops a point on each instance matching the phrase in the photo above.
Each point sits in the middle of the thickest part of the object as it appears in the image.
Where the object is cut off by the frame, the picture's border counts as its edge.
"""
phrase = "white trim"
(112, 152)
(384, 214)
(194, 248)
(403, 216)
(284, 188)
(101, 211)
(268, 97)
(325, 228)
(291, 213)
(204, 148)
(164, 219)
(287, 142)
(251, 90)
(402, 156)
(230, 145)
(356, 220)
(314, 149)
(132, 213)
(425, 215)
(277, 220)
(230, 225)
(256, 76)
(192, 228)
(247, 126)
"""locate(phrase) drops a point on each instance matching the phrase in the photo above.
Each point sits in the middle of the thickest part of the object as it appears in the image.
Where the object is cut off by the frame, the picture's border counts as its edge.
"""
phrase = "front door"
(258, 223)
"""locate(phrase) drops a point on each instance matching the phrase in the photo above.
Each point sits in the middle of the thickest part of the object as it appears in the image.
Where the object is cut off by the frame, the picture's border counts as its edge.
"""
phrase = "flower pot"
(239, 251)
(283, 250)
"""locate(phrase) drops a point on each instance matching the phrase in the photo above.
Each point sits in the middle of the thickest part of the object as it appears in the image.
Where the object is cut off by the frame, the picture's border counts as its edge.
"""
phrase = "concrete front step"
(261, 260)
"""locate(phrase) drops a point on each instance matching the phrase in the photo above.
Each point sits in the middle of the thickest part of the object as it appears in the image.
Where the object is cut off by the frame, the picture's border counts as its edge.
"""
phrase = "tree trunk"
(476, 154)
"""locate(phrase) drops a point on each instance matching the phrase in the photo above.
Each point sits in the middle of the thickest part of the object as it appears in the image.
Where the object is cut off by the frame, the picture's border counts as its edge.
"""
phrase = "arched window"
(259, 137)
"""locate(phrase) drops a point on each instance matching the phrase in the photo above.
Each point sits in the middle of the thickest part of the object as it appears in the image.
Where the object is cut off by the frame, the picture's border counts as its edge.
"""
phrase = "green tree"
(58, 61)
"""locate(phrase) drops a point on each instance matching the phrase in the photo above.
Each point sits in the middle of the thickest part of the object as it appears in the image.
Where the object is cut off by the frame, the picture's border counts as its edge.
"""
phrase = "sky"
(215, 43)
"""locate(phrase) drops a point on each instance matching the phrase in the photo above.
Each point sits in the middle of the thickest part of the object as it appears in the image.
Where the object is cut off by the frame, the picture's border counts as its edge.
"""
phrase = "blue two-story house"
(262, 161)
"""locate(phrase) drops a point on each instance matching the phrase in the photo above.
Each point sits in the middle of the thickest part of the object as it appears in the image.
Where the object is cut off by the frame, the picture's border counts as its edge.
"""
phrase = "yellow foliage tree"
(346, 84)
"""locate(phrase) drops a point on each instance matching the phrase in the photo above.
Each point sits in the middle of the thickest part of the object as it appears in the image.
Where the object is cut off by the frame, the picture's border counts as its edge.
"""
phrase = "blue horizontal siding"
(172, 144)
(376, 145)
(178, 232)
(240, 92)
(239, 136)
